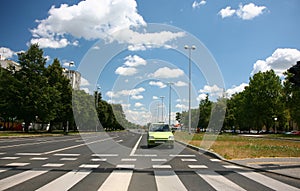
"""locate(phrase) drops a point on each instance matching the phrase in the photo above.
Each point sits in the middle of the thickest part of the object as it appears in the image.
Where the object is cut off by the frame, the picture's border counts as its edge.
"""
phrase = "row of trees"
(36, 93)
(264, 104)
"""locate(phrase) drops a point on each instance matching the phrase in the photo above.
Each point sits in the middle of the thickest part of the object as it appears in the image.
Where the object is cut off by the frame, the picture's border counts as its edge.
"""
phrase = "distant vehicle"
(160, 133)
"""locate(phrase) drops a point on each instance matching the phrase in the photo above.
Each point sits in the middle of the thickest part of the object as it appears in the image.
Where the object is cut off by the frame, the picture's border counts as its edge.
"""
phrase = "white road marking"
(39, 158)
(135, 146)
(158, 160)
(218, 181)
(66, 181)
(17, 164)
(168, 180)
(118, 180)
(4, 169)
(19, 178)
(128, 159)
(2, 153)
(119, 141)
(144, 155)
(267, 181)
(68, 159)
(232, 166)
(105, 155)
(215, 160)
(9, 158)
(188, 160)
(66, 155)
(182, 155)
(29, 154)
(98, 160)
(161, 166)
(197, 166)
(53, 165)
(89, 166)
(130, 166)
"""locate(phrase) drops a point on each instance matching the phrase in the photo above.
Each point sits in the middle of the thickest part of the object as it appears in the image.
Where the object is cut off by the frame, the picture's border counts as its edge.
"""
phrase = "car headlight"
(151, 137)
(171, 137)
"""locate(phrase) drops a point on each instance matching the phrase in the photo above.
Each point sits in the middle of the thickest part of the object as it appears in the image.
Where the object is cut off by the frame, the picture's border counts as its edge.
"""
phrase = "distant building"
(74, 77)
(7, 64)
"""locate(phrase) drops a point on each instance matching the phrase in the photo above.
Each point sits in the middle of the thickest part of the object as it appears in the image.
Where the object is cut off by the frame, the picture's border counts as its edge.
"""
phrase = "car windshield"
(159, 128)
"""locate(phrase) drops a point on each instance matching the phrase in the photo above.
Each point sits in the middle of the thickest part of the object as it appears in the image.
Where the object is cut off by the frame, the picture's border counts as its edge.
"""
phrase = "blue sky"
(234, 40)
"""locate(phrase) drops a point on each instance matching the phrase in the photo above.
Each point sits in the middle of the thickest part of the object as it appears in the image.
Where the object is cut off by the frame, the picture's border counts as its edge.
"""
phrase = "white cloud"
(154, 97)
(212, 91)
(166, 72)
(281, 60)
(180, 84)
(198, 4)
(138, 104)
(201, 97)
(249, 11)
(132, 92)
(134, 61)
(84, 82)
(181, 106)
(236, 89)
(126, 71)
(227, 12)
(6, 53)
(246, 12)
(93, 19)
(137, 97)
(86, 90)
(158, 83)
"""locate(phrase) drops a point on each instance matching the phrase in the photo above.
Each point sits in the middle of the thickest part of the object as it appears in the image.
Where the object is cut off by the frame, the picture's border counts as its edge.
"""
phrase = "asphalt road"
(121, 161)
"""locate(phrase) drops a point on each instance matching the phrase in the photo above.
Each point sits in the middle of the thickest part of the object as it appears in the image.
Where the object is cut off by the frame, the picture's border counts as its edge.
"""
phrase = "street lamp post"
(162, 108)
(190, 48)
(170, 84)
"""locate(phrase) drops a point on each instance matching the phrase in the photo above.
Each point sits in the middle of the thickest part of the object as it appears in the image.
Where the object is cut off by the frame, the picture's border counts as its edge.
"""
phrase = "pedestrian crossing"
(121, 179)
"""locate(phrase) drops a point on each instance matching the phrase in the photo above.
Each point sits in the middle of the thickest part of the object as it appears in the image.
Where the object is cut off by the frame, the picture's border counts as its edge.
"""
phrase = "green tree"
(205, 107)
(34, 92)
(62, 97)
(264, 93)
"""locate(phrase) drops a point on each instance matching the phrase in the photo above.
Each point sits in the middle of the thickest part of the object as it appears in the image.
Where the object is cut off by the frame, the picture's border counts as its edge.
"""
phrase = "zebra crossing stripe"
(19, 178)
(4, 169)
(218, 181)
(66, 181)
(117, 180)
(168, 180)
(266, 181)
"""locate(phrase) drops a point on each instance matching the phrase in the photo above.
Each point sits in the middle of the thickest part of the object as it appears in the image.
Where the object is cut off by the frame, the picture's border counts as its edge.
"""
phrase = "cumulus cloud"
(201, 97)
(126, 71)
(236, 89)
(94, 19)
(181, 106)
(180, 84)
(158, 83)
(281, 60)
(227, 12)
(6, 53)
(213, 91)
(198, 4)
(132, 92)
(84, 82)
(138, 104)
(245, 12)
(166, 72)
(134, 61)
(137, 97)
(154, 97)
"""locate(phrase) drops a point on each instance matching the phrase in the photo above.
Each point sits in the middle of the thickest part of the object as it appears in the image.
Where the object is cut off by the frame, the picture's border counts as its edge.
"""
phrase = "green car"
(160, 133)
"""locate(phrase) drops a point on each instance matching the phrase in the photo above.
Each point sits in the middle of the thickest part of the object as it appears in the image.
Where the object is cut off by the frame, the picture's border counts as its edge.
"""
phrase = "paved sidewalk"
(285, 166)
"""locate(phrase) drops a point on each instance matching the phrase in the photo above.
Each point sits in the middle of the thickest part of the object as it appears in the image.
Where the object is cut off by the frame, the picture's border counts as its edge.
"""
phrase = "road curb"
(216, 155)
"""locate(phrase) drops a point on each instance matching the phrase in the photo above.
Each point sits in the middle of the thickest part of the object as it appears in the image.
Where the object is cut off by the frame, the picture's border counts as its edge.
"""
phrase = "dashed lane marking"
(89, 166)
(39, 158)
(9, 158)
(68, 159)
(182, 155)
(197, 166)
(127, 166)
(161, 166)
(17, 164)
(159, 160)
(188, 160)
(29, 154)
(66, 155)
(53, 165)
(98, 160)
(232, 167)
(105, 155)
(128, 159)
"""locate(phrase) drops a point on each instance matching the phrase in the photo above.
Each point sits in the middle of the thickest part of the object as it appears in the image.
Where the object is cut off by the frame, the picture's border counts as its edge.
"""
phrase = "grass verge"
(237, 147)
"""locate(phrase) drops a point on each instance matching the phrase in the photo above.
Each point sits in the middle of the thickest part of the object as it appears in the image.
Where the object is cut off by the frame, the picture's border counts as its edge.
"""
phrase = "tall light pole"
(190, 48)
(162, 108)
(170, 84)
